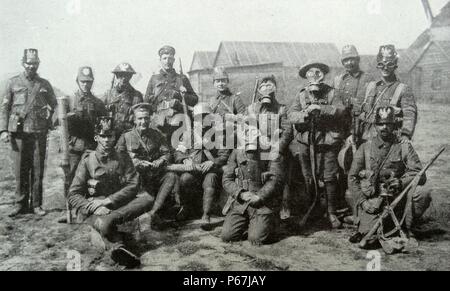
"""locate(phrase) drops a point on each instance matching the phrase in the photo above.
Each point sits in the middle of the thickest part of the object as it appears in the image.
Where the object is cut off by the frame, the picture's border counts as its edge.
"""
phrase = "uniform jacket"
(118, 179)
(150, 146)
(165, 86)
(244, 172)
(402, 160)
(122, 105)
(286, 131)
(227, 103)
(86, 108)
(329, 126)
(17, 96)
(406, 102)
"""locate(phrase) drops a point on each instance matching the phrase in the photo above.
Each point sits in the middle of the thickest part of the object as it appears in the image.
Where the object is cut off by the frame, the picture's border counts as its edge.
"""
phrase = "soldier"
(104, 192)
(84, 109)
(350, 86)
(384, 164)
(150, 154)
(390, 91)
(204, 167)
(225, 102)
(254, 182)
(25, 118)
(267, 104)
(166, 91)
(122, 97)
(317, 117)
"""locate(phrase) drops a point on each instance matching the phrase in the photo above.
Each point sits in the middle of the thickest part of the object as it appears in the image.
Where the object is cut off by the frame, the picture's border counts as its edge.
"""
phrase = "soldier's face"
(122, 80)
(387, 69)
(385, 130)
(30, 68)
(167, 61)
(221, 84)
(85, 86)
(142, 120)
(351, 64)
(105, 142)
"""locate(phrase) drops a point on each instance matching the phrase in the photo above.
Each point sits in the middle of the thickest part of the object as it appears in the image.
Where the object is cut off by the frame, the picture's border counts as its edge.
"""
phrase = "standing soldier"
(381, 169)
(390, 91)
(350, 87)
(25, 118)
(204, 167)
(254, 184)
(104, 192)
(166, 92)
(122, 97)
(150, 154)
(225, 102)
(317, 116)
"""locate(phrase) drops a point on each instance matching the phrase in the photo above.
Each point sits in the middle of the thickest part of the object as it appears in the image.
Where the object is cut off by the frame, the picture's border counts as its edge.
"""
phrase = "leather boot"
(18, 209)
(331, 188)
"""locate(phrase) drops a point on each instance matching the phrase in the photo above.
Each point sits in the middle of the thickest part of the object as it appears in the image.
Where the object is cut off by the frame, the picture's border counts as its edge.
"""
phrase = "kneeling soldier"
(382, 168)
(204, 167)
(150, 154)
(104, 192)
(253, 179)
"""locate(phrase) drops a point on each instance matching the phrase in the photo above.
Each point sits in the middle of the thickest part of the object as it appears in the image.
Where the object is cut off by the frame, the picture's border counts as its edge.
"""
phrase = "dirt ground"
(40, 243)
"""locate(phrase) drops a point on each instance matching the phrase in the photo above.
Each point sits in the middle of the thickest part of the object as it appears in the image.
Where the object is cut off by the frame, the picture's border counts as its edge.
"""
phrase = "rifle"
(187, 120)
(255, 89)
(64, 135)
(312, 157)
(411, 187)
(182, 168)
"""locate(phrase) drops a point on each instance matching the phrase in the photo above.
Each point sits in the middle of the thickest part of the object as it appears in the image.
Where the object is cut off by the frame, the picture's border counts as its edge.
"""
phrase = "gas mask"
(315, 77)
(266, 90)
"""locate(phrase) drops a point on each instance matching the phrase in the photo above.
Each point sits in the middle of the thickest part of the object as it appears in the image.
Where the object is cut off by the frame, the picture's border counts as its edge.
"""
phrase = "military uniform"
(210, 181)
(150, 146)
(83, 111)
(119, 103)
(227, 103)
(327, 139)
(26, 112)
(377, 155)
(245, 171)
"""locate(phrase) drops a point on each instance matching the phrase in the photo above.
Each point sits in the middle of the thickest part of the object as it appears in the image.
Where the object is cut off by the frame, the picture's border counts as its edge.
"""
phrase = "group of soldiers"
(123, 162)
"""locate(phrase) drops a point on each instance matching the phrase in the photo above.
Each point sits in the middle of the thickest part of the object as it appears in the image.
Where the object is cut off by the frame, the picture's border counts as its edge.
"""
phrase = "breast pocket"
(20, 96)
(396, 164)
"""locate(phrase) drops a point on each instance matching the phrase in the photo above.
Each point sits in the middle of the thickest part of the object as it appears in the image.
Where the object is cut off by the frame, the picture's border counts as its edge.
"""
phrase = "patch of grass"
(193, 266)
(188, 248)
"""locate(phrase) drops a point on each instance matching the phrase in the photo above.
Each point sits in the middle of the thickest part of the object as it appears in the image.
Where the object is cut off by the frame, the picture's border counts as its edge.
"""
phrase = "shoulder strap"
(367, 153)
(33, 95)
(405, 150)
(302, 99)
(91, 161)
(397, 93)
(370, 87)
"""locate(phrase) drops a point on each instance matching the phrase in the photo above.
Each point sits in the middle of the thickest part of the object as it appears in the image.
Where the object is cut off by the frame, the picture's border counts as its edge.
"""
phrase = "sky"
(103, 33)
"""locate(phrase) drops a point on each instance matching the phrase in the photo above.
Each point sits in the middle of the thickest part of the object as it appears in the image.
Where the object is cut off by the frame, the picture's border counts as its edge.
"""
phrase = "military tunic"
(83, 111)
(227, 103)
(122, 103)
(150, 146)
(378, 155)
(26, 112)
(381, 96)
(246, 172)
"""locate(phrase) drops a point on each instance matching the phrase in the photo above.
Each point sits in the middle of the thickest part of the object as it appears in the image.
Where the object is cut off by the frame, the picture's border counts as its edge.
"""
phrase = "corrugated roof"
(202, 60)
(291, 54)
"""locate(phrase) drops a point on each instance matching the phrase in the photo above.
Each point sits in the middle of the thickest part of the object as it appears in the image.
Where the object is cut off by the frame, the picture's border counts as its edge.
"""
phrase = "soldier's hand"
(183, 90)
(158, 163)
(404, 139)
(367, 188)
(247, 196)
(349, 140)
(395, 186)
(266, 176)
(189, 165)
(255, 201)
(4, 137)
(101, 211)
(206, 166)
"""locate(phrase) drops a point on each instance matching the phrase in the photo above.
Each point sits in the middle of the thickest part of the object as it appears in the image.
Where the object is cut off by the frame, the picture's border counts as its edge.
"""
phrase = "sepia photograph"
(224, 135)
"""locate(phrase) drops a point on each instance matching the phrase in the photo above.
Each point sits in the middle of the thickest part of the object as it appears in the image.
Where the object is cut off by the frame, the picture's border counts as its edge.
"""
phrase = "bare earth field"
(35, 243)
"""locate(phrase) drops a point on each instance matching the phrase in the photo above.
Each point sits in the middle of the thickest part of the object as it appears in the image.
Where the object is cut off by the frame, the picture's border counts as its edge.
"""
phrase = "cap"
(30, 56)
(324, 68)
(85, 74)
(104, 126)
(220, 73)
(385, 115)
(167, 49)
(143, 106)
(349, 51)
(124, 68)
(387, 53)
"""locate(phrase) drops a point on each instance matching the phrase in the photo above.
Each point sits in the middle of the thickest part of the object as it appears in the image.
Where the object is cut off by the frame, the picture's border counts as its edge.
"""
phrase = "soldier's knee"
(171, 177)
(211, 180)
(230, 235)
(186, 179)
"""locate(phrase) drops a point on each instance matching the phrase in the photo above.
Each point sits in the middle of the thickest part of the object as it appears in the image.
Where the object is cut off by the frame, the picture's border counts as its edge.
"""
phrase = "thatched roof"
(202, 60)
(291, 54)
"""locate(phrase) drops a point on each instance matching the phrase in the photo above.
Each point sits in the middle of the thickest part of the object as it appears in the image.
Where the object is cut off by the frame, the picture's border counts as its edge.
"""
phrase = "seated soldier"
(104, 192)
(150, 154)
(254, 181)
(204, 167)
(382, 167)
